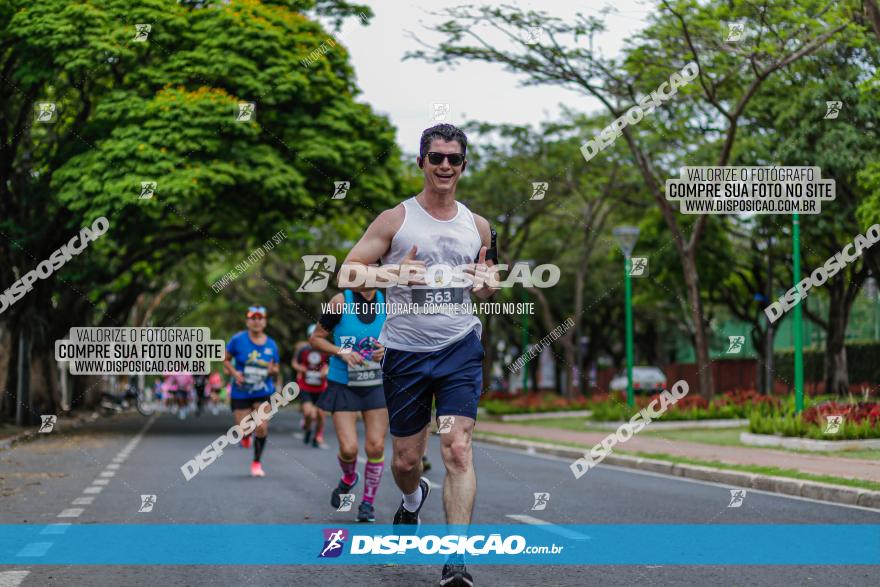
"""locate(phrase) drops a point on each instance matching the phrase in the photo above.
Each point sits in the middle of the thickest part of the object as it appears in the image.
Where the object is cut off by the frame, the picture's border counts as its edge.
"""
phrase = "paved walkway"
(818, 464)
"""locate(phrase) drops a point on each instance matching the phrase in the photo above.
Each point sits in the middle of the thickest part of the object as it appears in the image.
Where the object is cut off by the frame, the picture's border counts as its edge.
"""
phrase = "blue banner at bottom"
(496, 544)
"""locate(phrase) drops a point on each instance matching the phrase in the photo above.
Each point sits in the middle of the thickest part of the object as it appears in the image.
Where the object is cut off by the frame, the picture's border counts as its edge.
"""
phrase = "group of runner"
(392, 369)
(184, 392)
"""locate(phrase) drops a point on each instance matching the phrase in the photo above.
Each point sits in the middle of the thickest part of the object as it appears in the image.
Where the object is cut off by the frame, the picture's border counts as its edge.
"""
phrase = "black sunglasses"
(455, 159)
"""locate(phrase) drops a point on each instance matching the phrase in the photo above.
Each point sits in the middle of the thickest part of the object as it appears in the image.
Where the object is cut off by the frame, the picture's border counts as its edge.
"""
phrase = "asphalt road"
(50, 476)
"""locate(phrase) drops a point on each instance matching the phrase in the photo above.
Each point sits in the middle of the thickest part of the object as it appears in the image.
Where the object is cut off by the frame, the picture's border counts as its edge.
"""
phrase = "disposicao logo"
(334, 541)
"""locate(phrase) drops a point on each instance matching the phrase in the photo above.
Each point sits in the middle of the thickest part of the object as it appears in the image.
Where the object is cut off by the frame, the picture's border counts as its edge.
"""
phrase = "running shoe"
(406, 517)
(343, 487)
(366, 513)
(246, 441)
(455, 574)
(426, 465)
(257, 470)
(316, 443)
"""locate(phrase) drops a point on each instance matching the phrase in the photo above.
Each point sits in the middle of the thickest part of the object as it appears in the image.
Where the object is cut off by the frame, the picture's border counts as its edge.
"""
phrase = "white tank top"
(451, 242)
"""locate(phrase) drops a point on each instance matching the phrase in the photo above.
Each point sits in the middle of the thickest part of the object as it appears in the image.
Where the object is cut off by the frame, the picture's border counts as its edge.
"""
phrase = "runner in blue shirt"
(348, 332)
(252, 360)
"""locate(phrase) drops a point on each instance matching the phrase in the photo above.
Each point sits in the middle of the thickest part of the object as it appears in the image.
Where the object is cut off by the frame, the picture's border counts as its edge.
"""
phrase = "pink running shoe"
(257, 470)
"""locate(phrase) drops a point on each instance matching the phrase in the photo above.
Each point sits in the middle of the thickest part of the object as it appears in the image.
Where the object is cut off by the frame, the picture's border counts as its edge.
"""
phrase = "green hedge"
(499, 407)
(618, 412)
(793, 425)
(862, 360)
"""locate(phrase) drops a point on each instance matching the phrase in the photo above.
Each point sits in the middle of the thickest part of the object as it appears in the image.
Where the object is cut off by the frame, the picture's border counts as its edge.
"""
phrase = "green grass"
(576, 445)
(719, 436)
(716, 436)
(772, 471)
(578, 423)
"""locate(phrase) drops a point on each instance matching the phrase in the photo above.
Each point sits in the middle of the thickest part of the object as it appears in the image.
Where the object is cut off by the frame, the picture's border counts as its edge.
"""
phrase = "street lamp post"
(626, 239)
(798, 320)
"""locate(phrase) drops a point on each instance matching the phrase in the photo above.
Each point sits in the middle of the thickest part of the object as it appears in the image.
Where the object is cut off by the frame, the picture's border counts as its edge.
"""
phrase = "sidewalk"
(807, 463)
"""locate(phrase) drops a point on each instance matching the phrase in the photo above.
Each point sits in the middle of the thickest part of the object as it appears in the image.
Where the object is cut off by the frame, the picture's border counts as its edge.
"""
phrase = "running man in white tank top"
(433, 357)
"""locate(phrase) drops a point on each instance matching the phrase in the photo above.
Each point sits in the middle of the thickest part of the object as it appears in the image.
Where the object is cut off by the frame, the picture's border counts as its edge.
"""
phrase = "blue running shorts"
(452, 377)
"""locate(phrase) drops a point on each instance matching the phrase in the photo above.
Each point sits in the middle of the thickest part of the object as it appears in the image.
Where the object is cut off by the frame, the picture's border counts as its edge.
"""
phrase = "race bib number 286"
(366, 374)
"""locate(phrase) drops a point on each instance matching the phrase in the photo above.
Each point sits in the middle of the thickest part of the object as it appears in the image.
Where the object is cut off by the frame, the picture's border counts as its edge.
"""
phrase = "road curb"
(783, 485)
(807, 443)
(67, 424)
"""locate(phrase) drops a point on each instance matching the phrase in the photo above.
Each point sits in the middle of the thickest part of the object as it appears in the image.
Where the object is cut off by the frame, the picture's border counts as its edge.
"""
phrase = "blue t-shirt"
(359, 336)
(252, 360)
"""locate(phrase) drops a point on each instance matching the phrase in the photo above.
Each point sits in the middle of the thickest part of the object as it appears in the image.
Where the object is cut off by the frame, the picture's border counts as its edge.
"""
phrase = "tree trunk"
(836, 374)
(44, 382)
(22, 382)
(5, 368)
(872, 10)
(571, 358)
(758, 341)
(769, 372)
(701, 335)
(490, 353)
(577, 360)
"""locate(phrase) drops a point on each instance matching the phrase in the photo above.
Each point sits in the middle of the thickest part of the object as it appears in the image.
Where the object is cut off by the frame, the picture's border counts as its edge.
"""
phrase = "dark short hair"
(447, 132)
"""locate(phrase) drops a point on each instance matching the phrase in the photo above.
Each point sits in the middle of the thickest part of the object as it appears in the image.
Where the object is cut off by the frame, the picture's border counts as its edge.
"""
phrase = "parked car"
(645, 380)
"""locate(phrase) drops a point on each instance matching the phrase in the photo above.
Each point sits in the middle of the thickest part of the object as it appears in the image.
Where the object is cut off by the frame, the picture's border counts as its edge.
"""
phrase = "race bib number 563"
(438, 295)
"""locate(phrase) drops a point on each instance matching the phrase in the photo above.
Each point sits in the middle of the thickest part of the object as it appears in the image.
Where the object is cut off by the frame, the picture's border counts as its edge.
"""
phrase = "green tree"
(165, 109)
(699, 127)
(566, 225)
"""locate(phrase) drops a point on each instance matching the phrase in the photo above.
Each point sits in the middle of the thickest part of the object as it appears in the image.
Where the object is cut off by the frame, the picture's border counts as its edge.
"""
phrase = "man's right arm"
(361, 273)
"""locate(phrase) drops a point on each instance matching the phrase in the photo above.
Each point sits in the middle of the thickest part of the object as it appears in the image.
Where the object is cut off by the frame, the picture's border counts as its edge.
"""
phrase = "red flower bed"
(855, 413)
(490, 395)
(748, 397)
(538, 401)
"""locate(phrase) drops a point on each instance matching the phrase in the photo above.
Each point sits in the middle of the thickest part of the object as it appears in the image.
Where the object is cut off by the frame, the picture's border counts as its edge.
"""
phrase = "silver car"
(645, 380)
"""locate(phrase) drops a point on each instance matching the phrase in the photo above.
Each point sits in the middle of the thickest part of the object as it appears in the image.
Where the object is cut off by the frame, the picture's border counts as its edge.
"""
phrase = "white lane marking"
(83, 501)
(93, 489)
(100, 481)
(59, 528)
(107, 474)
(35, 549)
(71, 513)
(12, 578)
(549, 527)
(615, 469)
(112, 466)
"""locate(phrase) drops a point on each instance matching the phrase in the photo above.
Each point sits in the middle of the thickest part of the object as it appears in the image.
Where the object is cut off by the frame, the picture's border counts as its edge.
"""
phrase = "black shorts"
(345, 398)
(452, 377)
(310, 397)
(248, 402)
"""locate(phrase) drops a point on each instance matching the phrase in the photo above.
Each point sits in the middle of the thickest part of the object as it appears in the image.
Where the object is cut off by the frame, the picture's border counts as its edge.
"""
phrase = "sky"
(406, 91)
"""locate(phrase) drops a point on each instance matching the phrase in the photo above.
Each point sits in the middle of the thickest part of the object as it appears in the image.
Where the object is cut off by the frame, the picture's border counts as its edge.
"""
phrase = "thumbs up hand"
(485, 278)
(411, 271)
